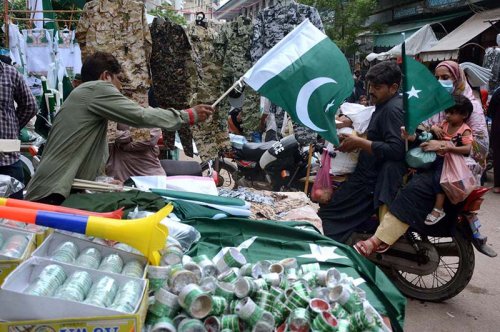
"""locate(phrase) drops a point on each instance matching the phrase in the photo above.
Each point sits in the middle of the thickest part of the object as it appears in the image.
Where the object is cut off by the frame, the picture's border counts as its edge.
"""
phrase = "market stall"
(234, 273)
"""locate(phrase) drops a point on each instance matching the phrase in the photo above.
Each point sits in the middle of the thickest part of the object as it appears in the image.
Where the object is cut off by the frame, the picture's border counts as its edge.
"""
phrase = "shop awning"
(231, 9)
(392, 36)
(422, 39)
(390, 39)
(448, 47)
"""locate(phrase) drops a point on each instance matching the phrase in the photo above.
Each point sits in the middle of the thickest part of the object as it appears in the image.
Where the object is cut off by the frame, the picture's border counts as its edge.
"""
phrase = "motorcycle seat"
(253, 151)
(180, 167)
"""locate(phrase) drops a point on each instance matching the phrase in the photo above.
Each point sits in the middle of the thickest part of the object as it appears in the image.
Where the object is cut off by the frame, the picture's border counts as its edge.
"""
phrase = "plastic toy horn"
(147, 235)
(11, 202)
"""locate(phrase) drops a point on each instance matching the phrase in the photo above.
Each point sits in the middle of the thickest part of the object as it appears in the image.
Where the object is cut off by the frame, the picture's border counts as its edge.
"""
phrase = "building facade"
(249, 8)
(406, 16)
(191, 7)
(444, 16)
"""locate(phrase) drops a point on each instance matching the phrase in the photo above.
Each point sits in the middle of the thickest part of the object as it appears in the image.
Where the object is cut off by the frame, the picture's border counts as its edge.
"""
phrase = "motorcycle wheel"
(456, 265)
(227, 174)
(28, 169)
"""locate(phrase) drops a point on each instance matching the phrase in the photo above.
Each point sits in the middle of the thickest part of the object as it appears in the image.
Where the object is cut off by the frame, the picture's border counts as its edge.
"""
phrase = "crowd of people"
(77, 147)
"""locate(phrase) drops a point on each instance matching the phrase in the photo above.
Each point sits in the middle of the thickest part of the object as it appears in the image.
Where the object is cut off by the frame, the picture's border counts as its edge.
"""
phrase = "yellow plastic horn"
(146, 234)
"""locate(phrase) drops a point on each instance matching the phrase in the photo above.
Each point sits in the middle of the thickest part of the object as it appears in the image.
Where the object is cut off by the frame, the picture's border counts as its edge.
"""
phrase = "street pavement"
(477, 307)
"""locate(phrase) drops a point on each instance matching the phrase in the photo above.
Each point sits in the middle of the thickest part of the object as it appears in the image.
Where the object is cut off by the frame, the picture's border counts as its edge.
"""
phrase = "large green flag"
(307, 75)
(423, 96)
(270, 240)
(51, 24)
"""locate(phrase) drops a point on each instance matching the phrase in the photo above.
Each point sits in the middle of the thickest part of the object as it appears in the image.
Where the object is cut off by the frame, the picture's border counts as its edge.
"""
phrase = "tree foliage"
(13, 5)
(345, 20)
(167, 11)
(75, 5)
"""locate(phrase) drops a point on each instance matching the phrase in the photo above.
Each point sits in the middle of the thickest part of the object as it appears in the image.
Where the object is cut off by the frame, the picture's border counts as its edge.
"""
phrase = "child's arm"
(437, 131)
(465, 148)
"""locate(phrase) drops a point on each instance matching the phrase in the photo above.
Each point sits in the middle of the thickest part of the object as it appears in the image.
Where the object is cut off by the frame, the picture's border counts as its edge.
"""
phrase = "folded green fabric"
(186, 210)
(200, 197)
(106, 202)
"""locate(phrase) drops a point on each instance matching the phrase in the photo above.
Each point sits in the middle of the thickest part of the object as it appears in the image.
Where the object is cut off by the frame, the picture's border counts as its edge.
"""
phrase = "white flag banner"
(36, 7)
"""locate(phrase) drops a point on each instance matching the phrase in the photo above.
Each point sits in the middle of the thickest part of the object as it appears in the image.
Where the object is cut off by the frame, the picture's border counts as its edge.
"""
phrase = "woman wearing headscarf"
(453, 79)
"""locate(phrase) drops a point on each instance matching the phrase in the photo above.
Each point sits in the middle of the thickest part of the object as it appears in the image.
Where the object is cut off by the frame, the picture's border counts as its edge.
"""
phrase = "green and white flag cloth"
(43, 19)
(423, 96)
(270, 240)
(307, 75)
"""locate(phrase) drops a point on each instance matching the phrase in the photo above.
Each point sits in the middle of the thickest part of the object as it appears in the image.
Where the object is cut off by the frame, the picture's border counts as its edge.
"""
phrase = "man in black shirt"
(380, 169)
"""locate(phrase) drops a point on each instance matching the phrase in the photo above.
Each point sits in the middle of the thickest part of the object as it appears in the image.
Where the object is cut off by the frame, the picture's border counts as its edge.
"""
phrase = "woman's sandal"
(383, 247)
(369, 246)
(432, 219)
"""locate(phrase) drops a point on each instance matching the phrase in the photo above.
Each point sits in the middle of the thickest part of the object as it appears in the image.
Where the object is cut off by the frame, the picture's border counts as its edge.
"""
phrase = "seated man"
(77, 146)
(380, 169)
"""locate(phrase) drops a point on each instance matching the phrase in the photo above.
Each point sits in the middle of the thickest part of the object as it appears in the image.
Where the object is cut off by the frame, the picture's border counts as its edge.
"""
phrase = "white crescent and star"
(413, 92)
(305, 94)
(322, 253)
(330, 105)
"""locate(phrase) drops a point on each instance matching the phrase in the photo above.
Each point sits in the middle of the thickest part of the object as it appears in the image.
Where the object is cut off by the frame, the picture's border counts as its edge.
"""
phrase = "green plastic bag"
(417, 158)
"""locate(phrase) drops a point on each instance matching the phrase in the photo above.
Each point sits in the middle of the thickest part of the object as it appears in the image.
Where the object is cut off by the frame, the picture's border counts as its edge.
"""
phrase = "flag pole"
(308, 172)
(6, 20)
(403, 62)
(238, 82)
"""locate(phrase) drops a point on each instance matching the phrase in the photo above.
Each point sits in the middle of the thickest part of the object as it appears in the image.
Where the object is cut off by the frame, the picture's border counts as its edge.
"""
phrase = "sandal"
(496, 190)
(432, 219)
(369, 246)
(383, 247)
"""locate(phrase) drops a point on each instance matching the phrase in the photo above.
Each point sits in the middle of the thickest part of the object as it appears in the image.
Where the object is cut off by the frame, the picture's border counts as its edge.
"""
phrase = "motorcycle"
(275, 165)
(30, 159)
(434, 267)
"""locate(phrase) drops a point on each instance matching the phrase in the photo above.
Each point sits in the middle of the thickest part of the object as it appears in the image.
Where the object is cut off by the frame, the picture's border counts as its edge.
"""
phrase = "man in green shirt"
(77, 146)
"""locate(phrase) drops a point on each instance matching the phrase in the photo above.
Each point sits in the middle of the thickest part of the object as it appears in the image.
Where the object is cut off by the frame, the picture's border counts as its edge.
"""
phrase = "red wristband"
(191, 116)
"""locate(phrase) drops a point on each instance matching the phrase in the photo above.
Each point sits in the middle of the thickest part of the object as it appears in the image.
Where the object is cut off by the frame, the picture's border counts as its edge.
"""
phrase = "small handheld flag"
(423, 96)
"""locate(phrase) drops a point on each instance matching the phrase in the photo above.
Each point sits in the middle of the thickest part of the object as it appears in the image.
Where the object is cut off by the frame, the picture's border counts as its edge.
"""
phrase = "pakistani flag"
(43, 20)
(307, 75)
(423, 96)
